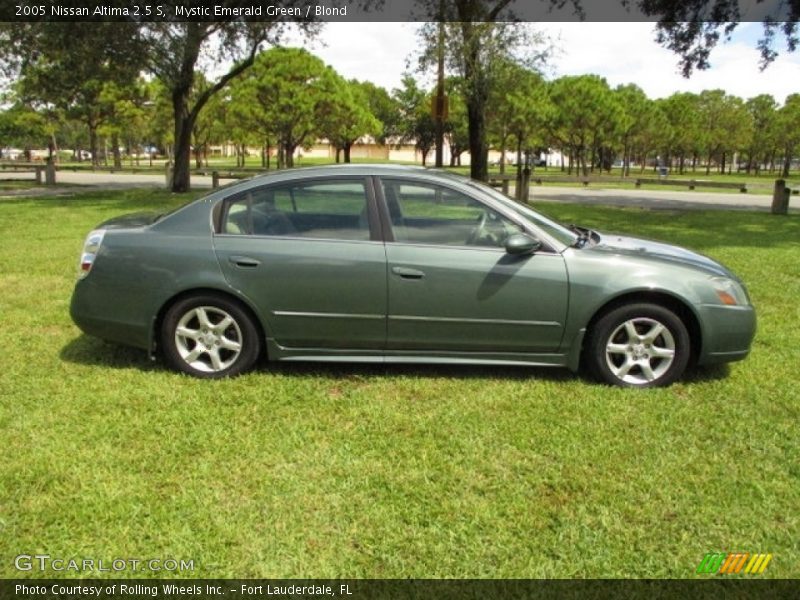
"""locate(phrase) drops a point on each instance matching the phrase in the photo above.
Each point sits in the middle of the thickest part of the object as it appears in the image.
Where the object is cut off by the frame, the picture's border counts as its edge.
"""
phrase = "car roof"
(361, 169)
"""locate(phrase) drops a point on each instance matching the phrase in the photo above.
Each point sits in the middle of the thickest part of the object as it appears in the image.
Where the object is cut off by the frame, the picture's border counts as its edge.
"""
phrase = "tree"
(477, 40)
(384, 108)
(723, 126)
(245, 118)
(522, 112)
(22, 126)
(789, 128)
(125, 116)
(159, 129)
(175, 52)
(208, 126)
(642, 128)
(70, 66)
(416, 122)
(291, 88)
(762, 110)
(345, 115)
(586, 115)
(456, 126)
(682, 113)
(692, 28)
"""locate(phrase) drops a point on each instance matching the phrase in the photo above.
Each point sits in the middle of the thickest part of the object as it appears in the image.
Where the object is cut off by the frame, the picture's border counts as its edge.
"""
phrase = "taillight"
(90, 248)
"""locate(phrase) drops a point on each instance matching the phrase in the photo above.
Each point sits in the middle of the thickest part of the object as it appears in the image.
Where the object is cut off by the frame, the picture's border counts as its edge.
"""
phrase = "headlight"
(730, 292)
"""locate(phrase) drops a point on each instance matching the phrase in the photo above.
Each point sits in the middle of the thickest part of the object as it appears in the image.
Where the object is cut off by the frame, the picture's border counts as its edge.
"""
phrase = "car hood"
(130, 221)
(648, 249)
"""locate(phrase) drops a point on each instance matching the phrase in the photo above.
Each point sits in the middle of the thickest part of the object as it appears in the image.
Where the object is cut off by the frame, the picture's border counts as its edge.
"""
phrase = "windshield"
(553, 228)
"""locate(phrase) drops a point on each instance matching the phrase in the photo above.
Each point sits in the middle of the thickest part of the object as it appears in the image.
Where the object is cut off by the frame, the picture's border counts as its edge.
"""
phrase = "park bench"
(584, 180)
(230, 174)
(499, 180)
(692, 183)
(39, 170)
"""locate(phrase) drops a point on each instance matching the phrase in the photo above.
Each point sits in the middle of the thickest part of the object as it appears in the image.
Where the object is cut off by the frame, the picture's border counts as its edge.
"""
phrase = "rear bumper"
(728, 332)
(101, 316)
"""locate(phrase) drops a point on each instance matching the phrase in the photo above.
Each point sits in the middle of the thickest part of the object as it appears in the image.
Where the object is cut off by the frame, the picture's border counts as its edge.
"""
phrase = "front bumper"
(728, 332)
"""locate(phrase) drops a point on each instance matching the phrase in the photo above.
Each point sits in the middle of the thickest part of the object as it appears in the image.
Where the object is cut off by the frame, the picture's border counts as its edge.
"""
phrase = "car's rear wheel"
(639, 345)
(209, 336)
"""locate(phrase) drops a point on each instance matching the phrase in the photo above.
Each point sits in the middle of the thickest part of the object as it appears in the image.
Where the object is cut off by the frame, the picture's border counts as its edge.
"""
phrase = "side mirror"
(520, 244)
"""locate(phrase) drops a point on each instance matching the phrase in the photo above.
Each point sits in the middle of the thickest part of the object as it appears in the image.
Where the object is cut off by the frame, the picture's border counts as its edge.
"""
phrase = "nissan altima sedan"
(390, 264)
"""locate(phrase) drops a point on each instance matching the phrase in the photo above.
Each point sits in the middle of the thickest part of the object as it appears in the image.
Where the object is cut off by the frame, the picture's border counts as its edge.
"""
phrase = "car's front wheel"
(209, 336)
(639, 345)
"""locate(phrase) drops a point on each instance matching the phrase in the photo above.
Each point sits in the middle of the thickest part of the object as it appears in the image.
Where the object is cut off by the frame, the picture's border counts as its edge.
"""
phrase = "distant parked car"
(396, 265)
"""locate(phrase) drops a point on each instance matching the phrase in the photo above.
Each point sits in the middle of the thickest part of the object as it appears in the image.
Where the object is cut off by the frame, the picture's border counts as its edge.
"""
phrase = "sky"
(621, 52)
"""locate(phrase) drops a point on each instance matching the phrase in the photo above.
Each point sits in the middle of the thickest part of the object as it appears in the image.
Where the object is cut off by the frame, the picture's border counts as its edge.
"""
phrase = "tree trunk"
(289, 155)
(54, 146)
(626, 162)
(479, 169)
(115, 151)
(93, 144)
(198, 161)
(184, 123)
(347, 147)
(518, 182)
(338, 154)
(787, 162)
(503, 142)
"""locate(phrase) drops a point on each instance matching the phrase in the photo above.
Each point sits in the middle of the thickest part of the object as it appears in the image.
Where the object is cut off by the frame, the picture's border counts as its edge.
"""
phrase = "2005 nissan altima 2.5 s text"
(376, 263)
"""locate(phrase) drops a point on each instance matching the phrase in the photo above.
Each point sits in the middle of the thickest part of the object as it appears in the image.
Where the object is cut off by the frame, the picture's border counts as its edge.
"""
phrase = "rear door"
(309, 255)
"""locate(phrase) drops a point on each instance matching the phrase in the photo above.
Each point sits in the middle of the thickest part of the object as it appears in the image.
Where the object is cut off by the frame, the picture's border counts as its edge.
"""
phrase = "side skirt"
(277, 352)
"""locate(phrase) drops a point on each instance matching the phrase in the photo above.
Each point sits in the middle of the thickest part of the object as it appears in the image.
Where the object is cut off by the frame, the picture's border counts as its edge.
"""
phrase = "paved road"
(110, 180)
(658, 199)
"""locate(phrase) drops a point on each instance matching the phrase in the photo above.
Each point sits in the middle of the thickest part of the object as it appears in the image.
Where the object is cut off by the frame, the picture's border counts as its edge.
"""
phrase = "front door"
(452, 286)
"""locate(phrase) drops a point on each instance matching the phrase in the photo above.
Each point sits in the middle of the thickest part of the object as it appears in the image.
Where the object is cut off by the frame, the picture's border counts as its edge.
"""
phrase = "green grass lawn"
(354, 471)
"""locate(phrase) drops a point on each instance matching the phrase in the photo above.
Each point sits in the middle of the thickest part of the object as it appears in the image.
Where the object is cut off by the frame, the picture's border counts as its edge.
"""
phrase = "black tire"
(221, 339)
(630, 346)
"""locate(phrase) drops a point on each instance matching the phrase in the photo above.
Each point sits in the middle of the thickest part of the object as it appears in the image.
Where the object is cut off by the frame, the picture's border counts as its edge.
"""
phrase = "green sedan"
(383, 264)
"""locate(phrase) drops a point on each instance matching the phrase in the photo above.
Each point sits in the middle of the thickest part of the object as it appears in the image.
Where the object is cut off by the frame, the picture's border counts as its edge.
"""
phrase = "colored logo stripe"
(734, 562)
(758, 563)
(711, 562)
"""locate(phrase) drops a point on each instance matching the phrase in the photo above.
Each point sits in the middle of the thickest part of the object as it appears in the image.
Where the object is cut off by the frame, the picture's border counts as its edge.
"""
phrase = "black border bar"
(379, 10)
(717, 587)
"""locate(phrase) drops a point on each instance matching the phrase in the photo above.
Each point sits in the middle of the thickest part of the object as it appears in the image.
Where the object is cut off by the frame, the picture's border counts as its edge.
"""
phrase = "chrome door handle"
(407, 273)
(246, 262)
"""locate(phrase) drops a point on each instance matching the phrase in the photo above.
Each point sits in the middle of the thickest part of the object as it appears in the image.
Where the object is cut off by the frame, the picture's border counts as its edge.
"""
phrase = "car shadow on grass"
(90, 351)
(94, 352)
(707, 373)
